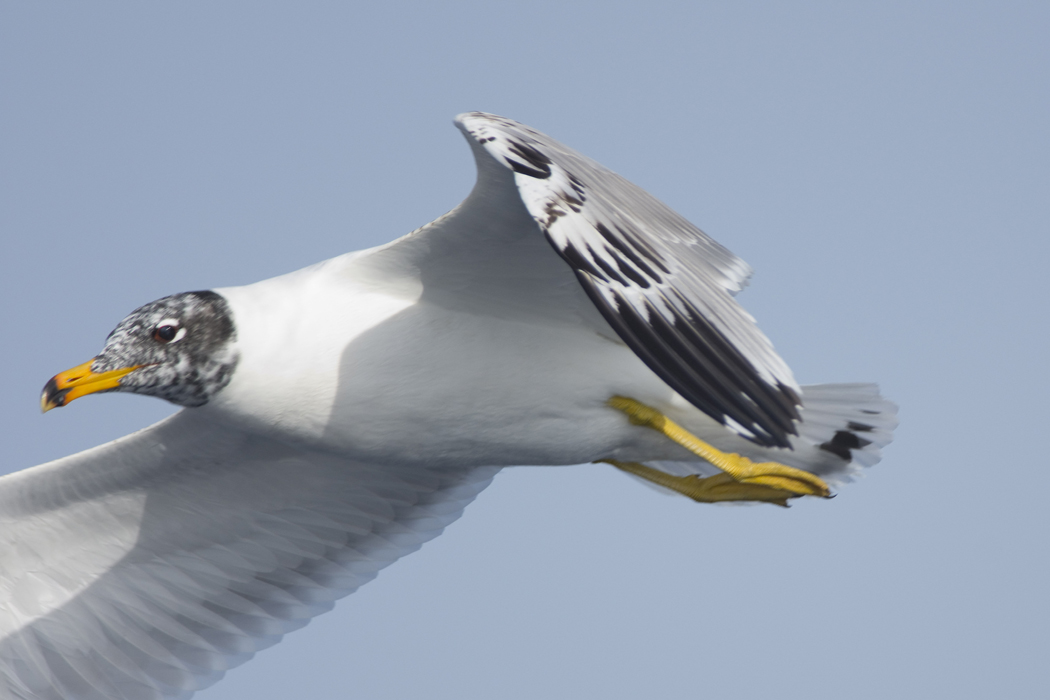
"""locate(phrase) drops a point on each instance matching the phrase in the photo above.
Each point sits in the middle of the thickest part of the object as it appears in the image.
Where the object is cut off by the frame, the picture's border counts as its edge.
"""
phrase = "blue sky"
(884, 167)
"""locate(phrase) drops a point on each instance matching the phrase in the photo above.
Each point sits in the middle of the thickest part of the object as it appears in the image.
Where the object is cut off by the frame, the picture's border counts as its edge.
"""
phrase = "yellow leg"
(742, 469)
(711, 489)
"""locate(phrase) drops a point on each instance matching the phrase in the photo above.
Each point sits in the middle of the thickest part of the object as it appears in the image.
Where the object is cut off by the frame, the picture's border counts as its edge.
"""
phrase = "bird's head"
(179, 348)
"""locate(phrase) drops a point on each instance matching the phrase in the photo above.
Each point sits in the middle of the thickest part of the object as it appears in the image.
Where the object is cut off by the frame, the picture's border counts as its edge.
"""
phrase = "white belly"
(446, 387)
(393, 378)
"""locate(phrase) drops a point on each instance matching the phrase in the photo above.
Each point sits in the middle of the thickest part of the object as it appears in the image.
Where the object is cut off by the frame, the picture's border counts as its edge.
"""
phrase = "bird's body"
(464, 380)
(339, 416)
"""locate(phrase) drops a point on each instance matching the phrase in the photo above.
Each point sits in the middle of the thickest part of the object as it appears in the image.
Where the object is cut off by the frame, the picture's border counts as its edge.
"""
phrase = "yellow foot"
(772, 474)
(711, 489)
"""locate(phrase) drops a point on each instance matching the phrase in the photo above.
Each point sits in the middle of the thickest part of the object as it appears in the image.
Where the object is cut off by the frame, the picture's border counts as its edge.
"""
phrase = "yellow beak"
(79, 381)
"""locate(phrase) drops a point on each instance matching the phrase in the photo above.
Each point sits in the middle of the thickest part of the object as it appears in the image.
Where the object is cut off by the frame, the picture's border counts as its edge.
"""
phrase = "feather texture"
(662, 284)
(147, 567)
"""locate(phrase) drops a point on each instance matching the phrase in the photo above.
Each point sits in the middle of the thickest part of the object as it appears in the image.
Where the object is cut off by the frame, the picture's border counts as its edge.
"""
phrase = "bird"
(336, 418)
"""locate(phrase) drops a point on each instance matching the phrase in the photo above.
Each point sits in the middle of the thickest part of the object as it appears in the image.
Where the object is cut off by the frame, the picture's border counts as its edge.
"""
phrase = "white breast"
(341, 357)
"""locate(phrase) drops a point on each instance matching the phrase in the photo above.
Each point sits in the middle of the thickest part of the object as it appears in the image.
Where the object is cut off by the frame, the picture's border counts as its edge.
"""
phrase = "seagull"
(336, 418)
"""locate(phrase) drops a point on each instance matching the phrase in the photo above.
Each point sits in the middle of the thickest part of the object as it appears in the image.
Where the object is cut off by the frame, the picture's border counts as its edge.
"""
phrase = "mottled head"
(179, 348)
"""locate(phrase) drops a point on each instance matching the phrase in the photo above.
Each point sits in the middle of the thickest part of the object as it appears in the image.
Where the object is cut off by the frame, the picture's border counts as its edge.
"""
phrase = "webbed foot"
(711, 489)
(774, 475)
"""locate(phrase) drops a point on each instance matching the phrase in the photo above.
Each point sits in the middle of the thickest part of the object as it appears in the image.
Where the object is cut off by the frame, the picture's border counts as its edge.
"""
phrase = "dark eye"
(165, 333)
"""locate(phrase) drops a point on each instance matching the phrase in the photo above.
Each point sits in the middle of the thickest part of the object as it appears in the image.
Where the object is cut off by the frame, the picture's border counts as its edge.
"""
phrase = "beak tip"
(51, 396)
(80, 381)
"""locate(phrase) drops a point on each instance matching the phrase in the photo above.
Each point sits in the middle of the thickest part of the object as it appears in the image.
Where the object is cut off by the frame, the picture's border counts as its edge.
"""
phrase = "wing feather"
(148, 567)
(663, 285)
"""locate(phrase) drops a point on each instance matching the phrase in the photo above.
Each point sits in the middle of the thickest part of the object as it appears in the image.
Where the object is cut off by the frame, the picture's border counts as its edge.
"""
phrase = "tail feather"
(851, 423)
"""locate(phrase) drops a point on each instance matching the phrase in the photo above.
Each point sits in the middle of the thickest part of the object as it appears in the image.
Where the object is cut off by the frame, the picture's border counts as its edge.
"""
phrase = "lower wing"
(147, 567)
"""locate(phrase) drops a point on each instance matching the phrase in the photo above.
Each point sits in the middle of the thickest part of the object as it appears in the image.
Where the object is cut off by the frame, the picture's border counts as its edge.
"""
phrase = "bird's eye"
(168, 332)
(165, 334)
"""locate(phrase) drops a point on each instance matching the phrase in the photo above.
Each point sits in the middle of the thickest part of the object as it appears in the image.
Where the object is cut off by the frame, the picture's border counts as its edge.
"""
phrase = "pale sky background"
(884, 167)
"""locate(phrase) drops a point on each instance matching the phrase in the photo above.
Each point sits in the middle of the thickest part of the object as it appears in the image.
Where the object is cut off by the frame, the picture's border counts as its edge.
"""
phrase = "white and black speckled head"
(179, 348)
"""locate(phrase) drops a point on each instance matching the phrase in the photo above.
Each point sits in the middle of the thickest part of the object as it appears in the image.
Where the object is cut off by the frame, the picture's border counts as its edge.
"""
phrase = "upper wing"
(147, 567)
(660, 282)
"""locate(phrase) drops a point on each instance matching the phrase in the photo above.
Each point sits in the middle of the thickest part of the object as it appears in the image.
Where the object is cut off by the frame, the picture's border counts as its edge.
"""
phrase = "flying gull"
(338, 417)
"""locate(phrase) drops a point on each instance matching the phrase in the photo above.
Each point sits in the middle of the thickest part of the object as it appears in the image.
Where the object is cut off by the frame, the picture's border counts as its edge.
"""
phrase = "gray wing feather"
(147, 567)
(660, 282)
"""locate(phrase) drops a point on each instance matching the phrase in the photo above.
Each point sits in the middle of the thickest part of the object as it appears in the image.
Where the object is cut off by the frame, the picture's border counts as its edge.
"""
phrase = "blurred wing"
(663, 285)
(147, 567)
